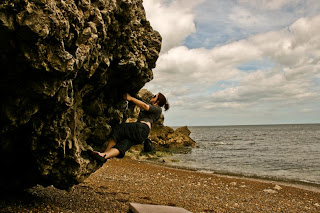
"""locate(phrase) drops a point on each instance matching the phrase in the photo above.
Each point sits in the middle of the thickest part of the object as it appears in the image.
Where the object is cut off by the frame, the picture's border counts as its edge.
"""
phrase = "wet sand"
(119, 182)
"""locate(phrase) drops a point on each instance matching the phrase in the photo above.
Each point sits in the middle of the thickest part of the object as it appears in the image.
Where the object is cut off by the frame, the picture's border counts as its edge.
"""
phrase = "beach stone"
(270, 191)
(277, 187)
(65, 66)
(147, 208)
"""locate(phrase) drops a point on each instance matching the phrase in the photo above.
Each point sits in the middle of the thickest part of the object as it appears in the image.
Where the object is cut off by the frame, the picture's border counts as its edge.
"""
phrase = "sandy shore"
(120, 182)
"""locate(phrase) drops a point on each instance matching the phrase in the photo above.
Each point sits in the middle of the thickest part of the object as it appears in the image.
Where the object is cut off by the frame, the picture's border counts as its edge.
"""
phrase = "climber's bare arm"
(137, 102)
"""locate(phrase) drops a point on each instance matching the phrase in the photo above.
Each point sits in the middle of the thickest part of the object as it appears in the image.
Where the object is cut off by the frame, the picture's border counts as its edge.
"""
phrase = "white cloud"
(222, 22)
(297, 58)
(174, 20)
(270, 86)
(269, 4)
(183, 69)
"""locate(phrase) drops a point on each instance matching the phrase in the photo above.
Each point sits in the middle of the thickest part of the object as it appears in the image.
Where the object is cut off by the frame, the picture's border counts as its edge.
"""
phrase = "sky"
(237, 62)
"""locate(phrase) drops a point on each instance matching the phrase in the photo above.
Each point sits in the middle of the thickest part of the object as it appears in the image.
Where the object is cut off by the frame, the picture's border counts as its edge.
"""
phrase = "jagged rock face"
(65, 65)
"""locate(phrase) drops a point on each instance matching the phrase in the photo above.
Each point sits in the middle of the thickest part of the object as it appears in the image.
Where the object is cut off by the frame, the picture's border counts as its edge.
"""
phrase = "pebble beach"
(120, 182)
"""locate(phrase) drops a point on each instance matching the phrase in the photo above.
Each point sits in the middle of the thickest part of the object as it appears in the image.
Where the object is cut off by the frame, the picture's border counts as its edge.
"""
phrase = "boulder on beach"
(65, 66)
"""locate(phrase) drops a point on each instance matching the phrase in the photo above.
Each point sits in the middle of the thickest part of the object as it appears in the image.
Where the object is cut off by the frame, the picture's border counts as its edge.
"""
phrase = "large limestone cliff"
(65, 65)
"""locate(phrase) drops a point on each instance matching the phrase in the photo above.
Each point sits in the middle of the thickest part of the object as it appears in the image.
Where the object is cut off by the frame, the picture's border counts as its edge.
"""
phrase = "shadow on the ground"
(81, 198)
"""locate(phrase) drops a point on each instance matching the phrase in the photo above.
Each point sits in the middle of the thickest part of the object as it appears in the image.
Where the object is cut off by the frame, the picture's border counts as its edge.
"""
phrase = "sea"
(277, 152)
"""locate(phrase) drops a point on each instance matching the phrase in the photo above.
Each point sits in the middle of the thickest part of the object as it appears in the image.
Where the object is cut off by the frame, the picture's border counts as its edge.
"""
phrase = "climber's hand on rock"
(127, 97)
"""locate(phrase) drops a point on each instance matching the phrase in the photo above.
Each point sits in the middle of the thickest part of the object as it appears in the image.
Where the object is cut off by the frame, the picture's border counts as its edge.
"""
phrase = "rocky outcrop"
(164, 136)
(65, 66)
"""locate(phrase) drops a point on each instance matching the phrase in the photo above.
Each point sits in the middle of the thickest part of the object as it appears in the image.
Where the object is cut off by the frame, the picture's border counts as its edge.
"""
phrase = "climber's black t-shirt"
(152, 115)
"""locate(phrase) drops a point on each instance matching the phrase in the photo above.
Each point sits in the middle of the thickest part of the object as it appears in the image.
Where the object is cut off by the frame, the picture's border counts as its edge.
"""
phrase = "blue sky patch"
(252, 66)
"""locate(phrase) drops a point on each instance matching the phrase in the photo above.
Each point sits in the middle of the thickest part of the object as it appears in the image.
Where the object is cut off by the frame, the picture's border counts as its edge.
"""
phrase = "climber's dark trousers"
(126, 135)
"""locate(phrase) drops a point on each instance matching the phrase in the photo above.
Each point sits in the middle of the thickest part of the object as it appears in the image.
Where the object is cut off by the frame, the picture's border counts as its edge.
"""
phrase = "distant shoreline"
(237, 125)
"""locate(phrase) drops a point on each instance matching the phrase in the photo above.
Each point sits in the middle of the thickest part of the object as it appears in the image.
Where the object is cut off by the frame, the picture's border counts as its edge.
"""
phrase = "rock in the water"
(183, 130)
(65, 66)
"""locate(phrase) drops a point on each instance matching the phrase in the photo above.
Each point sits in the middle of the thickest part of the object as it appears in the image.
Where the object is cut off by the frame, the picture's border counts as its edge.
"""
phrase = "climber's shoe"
(98, 157)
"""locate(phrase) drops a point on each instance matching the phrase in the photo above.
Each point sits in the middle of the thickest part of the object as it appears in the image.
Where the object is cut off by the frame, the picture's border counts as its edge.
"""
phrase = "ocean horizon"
(227, 125)
(287, 152)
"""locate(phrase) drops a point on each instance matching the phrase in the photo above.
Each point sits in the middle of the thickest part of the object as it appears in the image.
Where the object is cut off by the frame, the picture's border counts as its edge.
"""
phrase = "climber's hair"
(163, 102)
